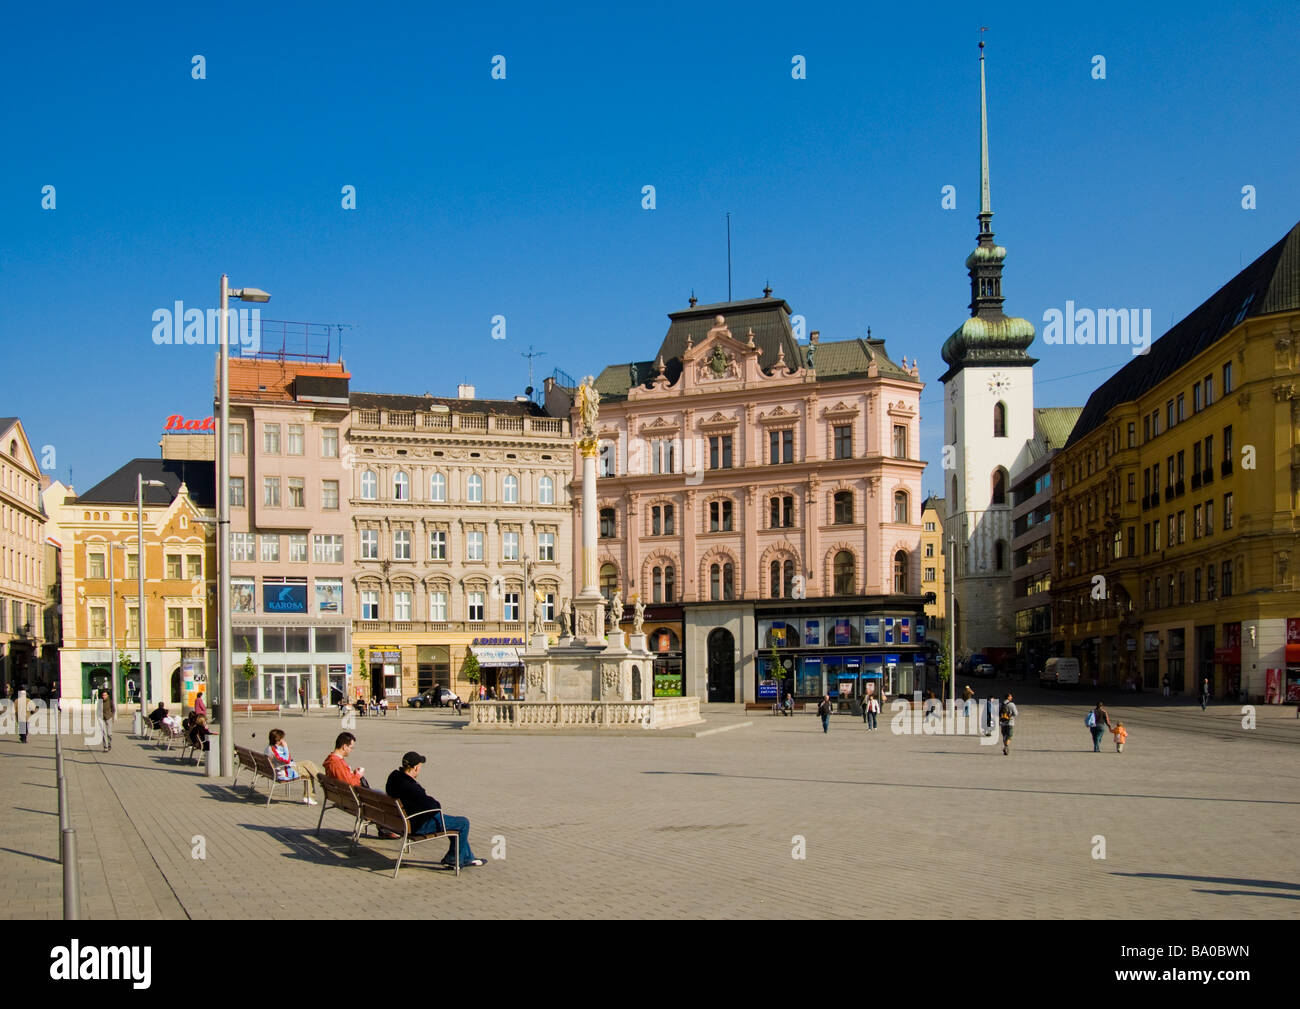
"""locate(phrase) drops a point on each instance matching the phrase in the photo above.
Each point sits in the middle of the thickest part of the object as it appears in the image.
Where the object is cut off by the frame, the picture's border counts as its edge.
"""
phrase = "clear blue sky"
(522, 197)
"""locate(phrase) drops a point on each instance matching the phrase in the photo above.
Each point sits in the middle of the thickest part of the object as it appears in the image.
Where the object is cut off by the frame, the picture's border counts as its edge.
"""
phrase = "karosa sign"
(176, 422)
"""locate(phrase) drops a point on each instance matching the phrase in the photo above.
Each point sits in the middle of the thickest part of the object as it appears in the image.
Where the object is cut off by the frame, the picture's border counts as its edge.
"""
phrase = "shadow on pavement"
(30, 854)
(305, 846)
(1250, 893)
(1269, 883)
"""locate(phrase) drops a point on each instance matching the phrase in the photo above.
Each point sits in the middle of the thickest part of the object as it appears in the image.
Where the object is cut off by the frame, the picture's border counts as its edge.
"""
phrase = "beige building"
(289, 529)
(22, 560)
(461, 526)
(934, 577)
(100, 589)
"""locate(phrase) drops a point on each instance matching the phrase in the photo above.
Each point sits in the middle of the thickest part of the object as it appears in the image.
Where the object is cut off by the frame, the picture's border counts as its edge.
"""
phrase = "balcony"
(1225, 467)
(1196, 480)
(1207, 475)
(413, 420)
(1169, 493)
(1180, 488)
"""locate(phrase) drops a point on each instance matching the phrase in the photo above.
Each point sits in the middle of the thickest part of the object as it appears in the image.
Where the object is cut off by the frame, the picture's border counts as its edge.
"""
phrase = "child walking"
(1121, 734)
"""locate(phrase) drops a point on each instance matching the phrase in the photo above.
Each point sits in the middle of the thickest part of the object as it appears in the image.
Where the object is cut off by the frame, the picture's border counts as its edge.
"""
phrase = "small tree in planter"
(945, 670)
(249, 672)
(471, 671)
(776, 672)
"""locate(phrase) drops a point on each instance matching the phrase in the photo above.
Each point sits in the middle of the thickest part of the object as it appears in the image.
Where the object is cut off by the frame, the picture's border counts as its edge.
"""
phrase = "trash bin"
(138, 722)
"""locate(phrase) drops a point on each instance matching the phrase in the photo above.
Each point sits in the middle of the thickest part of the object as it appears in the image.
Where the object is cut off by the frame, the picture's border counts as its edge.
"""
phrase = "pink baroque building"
(756, 492)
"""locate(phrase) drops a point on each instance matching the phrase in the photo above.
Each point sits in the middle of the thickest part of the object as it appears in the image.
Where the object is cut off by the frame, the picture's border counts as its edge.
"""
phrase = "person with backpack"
(1007, 720)
(824, 709)
(1098, 721)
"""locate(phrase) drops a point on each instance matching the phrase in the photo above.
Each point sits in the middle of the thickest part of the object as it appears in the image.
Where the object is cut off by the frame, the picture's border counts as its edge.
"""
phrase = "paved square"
(1198, 817)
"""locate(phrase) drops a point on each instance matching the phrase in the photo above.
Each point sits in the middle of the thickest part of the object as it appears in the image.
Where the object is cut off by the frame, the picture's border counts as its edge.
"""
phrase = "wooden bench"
(338, 794)
(260, 765)
(385, 813)
(773, 706)
(262, 707)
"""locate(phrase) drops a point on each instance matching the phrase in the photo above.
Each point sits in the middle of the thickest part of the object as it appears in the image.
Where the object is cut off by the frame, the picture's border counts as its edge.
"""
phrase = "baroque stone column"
(589, 604)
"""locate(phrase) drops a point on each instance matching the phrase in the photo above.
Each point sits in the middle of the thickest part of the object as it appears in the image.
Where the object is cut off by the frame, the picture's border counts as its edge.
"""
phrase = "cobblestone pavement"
(1197, 816)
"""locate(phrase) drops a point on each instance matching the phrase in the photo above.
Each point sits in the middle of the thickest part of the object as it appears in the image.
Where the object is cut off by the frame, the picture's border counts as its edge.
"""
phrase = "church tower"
(988, 421)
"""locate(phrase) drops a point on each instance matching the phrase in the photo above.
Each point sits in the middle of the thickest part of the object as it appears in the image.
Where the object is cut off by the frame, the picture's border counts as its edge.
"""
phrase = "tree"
(945, 667)
(470, 670)
(775, 673)
(249, 672)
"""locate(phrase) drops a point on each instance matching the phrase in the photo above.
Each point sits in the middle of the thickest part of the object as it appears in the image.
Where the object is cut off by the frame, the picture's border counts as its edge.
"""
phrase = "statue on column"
(638, 616)
(588, 406)
(616, 610)
(564, 618)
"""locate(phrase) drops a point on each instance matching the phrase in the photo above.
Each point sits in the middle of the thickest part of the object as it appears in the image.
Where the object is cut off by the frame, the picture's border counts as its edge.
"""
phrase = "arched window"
(781, 577)
(845, 575)
(474, 488)
(787, 579)
(608, 581)
(369, 486)
(844, 507)
(437, 487)
(1000, 555)
(900, 507)
(900, 571)
(657, 584)
(774, 579)
(607, 524)
(999, 420)
(401, 486)
(510, 490)
(1000, 487)
(545, 491)
(715, 581)
(670, 583)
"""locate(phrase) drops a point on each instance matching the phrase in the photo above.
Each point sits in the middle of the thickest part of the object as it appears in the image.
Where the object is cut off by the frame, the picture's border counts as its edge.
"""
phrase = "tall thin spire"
(985, 263)
(986, 208)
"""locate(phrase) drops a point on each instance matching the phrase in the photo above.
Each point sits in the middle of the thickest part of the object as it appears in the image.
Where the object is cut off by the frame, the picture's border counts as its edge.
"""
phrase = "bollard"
(137, 724)
(64, 819)
(71, 885)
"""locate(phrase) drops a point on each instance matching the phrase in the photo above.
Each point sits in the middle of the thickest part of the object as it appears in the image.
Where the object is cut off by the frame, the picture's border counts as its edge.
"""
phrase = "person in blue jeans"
(401, 785)
(824, 709)
(1100, 723)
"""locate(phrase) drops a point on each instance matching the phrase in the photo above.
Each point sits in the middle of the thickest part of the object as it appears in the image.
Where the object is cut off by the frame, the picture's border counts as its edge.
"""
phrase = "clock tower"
(988, 423)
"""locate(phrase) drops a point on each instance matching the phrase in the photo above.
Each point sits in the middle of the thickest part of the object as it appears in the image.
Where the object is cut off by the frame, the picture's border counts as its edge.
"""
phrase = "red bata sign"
(178, 423)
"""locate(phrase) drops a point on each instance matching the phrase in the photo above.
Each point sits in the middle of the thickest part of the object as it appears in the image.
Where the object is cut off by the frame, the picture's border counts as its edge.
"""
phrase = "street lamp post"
(952, 624)
(224, 644)
(143, 619)
(112, 623)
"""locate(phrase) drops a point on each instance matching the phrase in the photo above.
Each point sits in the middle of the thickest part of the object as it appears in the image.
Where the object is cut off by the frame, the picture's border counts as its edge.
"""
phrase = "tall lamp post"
(143, 619)
(952, 624)
(225, 651)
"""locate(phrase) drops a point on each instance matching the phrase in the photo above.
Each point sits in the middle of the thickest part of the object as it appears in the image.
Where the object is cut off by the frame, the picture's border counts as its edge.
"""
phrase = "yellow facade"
(1177, 519)
(933, 574)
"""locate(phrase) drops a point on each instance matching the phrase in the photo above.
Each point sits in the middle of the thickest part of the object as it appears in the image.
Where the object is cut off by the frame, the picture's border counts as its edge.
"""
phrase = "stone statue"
(588, 405)
(638, 616)
(616, 610)
(564, 618)
(539, 617)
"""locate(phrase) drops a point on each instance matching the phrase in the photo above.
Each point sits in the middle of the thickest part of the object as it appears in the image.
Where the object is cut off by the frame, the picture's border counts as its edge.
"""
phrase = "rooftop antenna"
(728, 255)
(530, 355)
(340, 327)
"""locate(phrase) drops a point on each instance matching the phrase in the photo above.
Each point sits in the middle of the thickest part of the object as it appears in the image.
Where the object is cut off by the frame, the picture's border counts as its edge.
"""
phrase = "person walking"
(1098, 722)
(22, 709)
(873, 709)
(1007, 720)
(106, 711)
(966, 696)
(1121, 735)
(1205, 693)
(199, 707)
(1165, 685)
(824, 709)
(302, 697)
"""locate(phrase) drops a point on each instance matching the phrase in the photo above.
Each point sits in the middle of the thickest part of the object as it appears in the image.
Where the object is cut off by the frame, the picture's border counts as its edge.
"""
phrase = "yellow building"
(22, 561)
(933, 576)
(1177, 501)
(100, 554)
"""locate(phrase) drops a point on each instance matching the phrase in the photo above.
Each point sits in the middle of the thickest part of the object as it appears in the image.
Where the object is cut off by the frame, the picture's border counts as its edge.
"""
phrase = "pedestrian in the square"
(1166, 685)
(106, 711)
(1205, 693)
(824, 709)
(966, 696)
(199, 707)
(22, 709)
(1121, 735)
(1007, 719)
(865, 698)
(1098, 722)
(873, 709)
(302, 697)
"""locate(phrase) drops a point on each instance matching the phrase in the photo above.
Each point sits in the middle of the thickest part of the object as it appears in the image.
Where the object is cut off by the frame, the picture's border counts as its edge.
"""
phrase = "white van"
(1060, 671)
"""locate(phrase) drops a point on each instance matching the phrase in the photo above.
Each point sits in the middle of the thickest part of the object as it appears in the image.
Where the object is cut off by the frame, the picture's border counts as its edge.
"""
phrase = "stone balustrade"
(658, 714)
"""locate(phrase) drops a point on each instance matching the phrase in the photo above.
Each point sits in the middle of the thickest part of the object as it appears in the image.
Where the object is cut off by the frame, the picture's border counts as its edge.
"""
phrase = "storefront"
(1293, 660)
(1228, 659)
(838, 650)
(501, 669)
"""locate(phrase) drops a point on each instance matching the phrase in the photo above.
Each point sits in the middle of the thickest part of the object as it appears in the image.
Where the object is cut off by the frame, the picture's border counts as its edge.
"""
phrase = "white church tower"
(988, 421)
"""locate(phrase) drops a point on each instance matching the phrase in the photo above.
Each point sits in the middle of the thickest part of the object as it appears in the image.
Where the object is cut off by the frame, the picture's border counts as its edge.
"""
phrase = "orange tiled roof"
(249, 376)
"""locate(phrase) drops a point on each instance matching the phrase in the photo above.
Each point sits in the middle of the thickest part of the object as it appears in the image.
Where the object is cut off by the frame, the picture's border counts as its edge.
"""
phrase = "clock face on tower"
(999, 383)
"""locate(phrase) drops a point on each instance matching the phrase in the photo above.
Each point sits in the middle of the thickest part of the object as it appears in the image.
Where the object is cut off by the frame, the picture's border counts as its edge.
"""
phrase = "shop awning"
(488, 656)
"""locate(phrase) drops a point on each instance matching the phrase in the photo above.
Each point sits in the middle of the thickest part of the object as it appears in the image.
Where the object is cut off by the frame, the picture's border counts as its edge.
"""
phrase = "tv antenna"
(530, 355)
(340, 327)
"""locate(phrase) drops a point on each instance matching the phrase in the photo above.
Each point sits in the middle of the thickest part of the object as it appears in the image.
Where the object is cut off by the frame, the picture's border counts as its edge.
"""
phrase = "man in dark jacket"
(403, 786)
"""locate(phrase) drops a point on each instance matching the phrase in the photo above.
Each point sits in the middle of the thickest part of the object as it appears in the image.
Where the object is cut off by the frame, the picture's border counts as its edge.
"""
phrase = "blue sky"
(522, 197)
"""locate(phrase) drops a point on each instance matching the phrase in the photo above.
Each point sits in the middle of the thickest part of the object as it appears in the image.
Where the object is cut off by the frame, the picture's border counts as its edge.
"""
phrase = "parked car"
(438, 697)
(1060, 671)
(985, 669)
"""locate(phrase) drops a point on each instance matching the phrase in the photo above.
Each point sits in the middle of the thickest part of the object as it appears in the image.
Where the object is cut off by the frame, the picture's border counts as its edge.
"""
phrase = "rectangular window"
(900, 441)
(1146, 537)
(329, 495)
(369, 604)
(1198, 522)
(327, 548)
(236, 439)
(174, 566)
(402, 605)
(1132, 541)
(1169, 415)
(236, 492)
(241, 547)
(193, 567)
(438, 606)
(270, 439)
(929, 574)
(194, 622)
(95, 566)
(720, 451)
(1227, 444)
(297, 492)
(510, 606)
(1182, 413)
(546, 546)
(1209, 389)
(1227, 511)
(476, 608)
(271, 491)
(780, 447)
(1173, 531)
(270, 548)
(329, 443)
(1209, 518)
(1132, 487)
(719, 516)
(1225, 582)
(401, 544)
(1132, 434)
(437, 545)
(510, 546)
(295, 446)
(175, 622)
(1196, 398)
(843, 440)
(98, 622)
(474, 546)
(370, 544)
(1227, 378)
(1146, 429)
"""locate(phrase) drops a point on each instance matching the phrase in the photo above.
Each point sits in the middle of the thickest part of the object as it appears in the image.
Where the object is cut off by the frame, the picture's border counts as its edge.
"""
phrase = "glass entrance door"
(284, 689)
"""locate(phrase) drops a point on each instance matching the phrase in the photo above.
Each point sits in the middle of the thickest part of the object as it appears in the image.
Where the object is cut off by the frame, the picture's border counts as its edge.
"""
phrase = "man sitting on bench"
(403, 787)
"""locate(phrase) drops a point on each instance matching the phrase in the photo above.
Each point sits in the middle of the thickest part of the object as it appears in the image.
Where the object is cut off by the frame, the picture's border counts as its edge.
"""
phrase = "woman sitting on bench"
(198, 735)
(286, 769)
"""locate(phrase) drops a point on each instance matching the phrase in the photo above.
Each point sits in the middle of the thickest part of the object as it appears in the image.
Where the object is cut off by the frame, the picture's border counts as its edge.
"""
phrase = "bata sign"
(178, 423)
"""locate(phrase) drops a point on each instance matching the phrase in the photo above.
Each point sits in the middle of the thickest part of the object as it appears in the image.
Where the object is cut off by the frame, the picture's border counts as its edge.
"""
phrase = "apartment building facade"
(22, 562)
(934, 570)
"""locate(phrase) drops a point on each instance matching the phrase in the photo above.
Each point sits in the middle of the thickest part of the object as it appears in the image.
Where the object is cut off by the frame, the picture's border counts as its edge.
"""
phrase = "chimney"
(464, 391)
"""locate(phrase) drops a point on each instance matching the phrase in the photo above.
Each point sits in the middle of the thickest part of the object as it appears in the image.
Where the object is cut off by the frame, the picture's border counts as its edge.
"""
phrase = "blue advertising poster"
(920, 630)
(889, 630)
(812, 632)
(767, 690)
(905, 624)
(842, 635)
(871, 631)
(284, 598)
